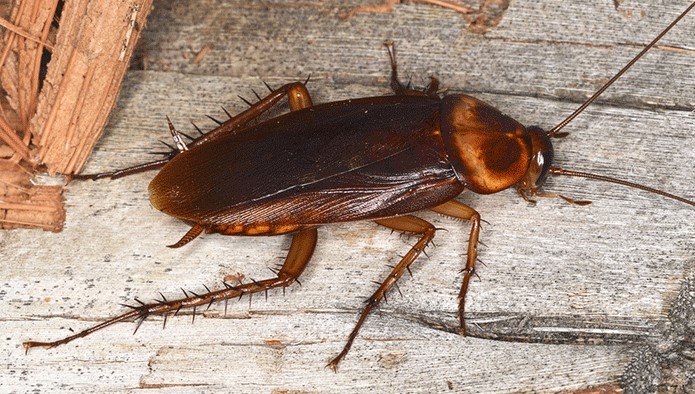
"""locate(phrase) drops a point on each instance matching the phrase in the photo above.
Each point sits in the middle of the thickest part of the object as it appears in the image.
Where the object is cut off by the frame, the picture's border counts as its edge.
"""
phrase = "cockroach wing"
(335, 162)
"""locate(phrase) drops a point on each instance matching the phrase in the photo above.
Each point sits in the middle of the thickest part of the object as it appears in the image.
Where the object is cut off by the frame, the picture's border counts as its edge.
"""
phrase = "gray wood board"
(568, 297)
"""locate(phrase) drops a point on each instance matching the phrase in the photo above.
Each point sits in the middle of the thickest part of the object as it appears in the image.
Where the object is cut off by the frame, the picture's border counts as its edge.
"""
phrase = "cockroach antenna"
(556, 134)
(561, 171)
(556, 129)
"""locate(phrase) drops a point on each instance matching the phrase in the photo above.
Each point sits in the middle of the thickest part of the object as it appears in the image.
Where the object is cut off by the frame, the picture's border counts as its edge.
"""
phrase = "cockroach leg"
(396, 85)
(301, 249)
(193, 233)
(298, 98)
(408, 224)
(176, 136)
(432, 88)
(525, 195)
(296, 93)
(398, 88)
(152, 165)
(460, 210)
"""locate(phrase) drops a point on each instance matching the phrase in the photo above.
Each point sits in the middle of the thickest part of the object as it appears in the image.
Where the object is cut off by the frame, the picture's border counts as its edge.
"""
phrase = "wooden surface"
(569, 298)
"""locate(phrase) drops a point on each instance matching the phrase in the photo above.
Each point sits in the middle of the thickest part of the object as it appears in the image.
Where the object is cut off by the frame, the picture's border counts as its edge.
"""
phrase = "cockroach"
(378, 158)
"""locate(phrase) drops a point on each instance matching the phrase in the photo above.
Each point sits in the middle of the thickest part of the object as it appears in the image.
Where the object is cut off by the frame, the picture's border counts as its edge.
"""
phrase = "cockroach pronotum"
(378, 158)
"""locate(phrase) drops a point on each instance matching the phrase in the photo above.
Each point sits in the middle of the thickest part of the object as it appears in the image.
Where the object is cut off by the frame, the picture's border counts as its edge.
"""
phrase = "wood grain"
(569, 298)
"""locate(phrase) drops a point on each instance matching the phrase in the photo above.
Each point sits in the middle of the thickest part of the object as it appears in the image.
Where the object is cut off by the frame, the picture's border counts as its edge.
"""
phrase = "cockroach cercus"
(378, 158)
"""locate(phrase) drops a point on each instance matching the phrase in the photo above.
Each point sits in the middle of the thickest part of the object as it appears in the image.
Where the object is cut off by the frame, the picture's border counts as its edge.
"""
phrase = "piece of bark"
(60, 106)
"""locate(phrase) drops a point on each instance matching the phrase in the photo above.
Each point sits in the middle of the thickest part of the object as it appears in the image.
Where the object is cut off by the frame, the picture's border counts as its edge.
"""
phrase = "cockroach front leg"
(460, 210)
(407, 224)
(297, 95)
(301, 249)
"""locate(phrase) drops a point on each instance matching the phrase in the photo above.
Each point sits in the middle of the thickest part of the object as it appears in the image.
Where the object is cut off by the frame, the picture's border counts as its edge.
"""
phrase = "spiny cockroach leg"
(296, 93)
(176, 136)
(408, 224)
(460, 210)
(301, 249)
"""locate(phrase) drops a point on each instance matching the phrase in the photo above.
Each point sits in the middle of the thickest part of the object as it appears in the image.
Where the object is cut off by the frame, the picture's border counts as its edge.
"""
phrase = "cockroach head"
(541, 160)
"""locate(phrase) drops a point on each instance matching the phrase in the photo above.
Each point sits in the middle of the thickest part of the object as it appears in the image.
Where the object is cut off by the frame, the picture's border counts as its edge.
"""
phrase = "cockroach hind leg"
(136, 169)
(301, 250)
(302, 100)
(176, 136)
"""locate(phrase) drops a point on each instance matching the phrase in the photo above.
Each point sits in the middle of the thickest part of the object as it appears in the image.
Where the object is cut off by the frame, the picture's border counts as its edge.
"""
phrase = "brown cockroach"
(378, 158)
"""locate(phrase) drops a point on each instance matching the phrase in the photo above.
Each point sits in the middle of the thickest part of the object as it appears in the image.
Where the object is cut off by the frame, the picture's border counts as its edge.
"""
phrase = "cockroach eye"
(543, 154)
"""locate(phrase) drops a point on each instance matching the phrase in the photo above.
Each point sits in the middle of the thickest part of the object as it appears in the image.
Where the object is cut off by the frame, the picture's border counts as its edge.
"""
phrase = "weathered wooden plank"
(585, 277)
